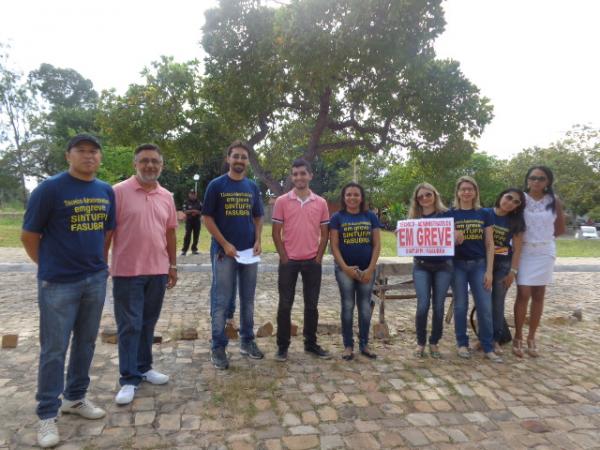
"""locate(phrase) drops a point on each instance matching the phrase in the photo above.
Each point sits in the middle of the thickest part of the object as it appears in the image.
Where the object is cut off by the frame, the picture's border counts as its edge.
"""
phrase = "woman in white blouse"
(544, 220)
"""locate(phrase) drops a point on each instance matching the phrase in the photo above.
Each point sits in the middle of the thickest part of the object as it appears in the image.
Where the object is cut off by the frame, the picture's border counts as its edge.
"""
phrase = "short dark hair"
(143, 147)
(238, 144)
(301, 162)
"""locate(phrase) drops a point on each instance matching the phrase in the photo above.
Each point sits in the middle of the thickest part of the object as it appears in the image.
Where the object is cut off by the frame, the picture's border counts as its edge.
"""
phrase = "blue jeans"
(470, 273)
(231, 310)
(501, 270)
(226, 271)
(138, 301)
(354, 292)
(432, 281)
(67, 308)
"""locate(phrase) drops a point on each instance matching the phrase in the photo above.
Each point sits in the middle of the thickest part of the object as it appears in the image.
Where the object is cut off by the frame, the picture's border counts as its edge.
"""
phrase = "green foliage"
(574, 164)
(398, 184)
(10, 186)
(393, 213)
(69, 104)
(16, 110)
(594, 213)
(336, 76)
(117, 164)
(168, 109)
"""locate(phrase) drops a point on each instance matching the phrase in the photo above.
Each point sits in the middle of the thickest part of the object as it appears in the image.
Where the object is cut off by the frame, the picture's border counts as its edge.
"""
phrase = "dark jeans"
(311, 286)
(501, 270)
(138, 301)
(191, 227)
(431, 285)
(67, 309)
(353, 292)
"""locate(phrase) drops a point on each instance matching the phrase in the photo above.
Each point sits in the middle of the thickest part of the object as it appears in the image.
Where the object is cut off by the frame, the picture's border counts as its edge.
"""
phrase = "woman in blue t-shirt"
(473, 267)
(355, 244)
(509, 225)
(431, 274)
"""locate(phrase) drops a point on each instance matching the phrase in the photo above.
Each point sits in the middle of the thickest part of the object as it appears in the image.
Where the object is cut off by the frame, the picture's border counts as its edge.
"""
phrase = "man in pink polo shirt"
(300, 233)
(143, 265)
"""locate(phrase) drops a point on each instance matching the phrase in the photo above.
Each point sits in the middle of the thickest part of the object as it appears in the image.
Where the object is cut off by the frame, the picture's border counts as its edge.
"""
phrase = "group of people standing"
(513, 240)
(72, 220)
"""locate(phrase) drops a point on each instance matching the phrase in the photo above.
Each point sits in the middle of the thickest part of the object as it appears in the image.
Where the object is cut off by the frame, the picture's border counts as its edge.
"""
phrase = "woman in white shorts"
(544, 220)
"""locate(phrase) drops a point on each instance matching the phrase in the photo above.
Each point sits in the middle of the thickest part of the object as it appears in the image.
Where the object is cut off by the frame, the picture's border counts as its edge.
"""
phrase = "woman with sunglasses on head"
(509, 225)
(355, 244)
(545, 220)
(431, 274)
(473, 267)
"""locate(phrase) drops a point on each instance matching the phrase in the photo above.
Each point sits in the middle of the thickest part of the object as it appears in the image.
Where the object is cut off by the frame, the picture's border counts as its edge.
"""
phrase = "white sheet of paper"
(246, 257)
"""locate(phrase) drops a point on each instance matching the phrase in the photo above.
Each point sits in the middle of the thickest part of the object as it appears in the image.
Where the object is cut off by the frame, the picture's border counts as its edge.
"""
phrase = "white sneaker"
(126, 394)
(84, 407)
(464, 352)
(154, 377)
(493, 357)
(47, 435)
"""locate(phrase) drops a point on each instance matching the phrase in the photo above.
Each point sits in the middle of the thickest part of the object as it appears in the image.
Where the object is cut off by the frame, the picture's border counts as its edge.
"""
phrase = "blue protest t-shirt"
(502, 236)
(355, 236)
(233, 205)
(436, 215)
(72, 215)
(472, 223)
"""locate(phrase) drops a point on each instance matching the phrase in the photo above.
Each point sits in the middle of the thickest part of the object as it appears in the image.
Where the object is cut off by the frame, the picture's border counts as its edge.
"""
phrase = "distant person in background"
(144, 265)
(192, 208)
(355, 244)
(509, 225)
(431, 274)
(68, 222)
(545, 220)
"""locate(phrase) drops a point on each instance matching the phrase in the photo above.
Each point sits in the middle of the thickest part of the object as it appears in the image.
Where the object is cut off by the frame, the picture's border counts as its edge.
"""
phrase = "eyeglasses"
(425, 195)
(534, 178)
(238, 156)
(146, 161)
(513, 199)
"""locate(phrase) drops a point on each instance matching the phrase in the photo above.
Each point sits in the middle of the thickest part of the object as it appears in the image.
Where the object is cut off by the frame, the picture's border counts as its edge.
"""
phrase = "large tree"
(69, 106)
(16, 110)
(330, 75)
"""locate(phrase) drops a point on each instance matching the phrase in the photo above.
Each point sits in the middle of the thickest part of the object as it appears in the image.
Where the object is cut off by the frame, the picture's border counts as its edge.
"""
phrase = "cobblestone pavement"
(395, 401)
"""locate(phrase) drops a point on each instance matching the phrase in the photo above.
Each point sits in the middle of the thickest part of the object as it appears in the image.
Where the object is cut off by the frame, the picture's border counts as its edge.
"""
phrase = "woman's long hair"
(548, 189)
(470, 180)
(363, 203)
(515, 218)
(415, 211)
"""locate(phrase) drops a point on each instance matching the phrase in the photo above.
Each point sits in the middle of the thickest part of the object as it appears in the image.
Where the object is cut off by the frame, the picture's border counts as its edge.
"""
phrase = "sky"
(537, 60)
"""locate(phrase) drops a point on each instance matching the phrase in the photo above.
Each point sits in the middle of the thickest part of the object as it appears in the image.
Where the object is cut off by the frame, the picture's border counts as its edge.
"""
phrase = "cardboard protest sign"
(425, 237)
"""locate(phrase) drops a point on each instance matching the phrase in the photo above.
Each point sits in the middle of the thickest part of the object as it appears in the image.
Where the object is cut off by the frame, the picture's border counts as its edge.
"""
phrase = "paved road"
(396, 401)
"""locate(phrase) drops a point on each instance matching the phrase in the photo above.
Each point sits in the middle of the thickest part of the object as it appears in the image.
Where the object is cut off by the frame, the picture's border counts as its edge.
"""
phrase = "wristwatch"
(173, 266)
(513, 270)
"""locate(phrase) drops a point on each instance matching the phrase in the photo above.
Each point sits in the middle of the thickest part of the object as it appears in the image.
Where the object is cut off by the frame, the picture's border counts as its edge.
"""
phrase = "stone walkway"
(396, 401)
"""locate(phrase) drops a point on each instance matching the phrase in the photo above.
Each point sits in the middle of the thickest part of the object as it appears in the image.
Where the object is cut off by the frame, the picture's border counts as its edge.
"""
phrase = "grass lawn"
(10, 229)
